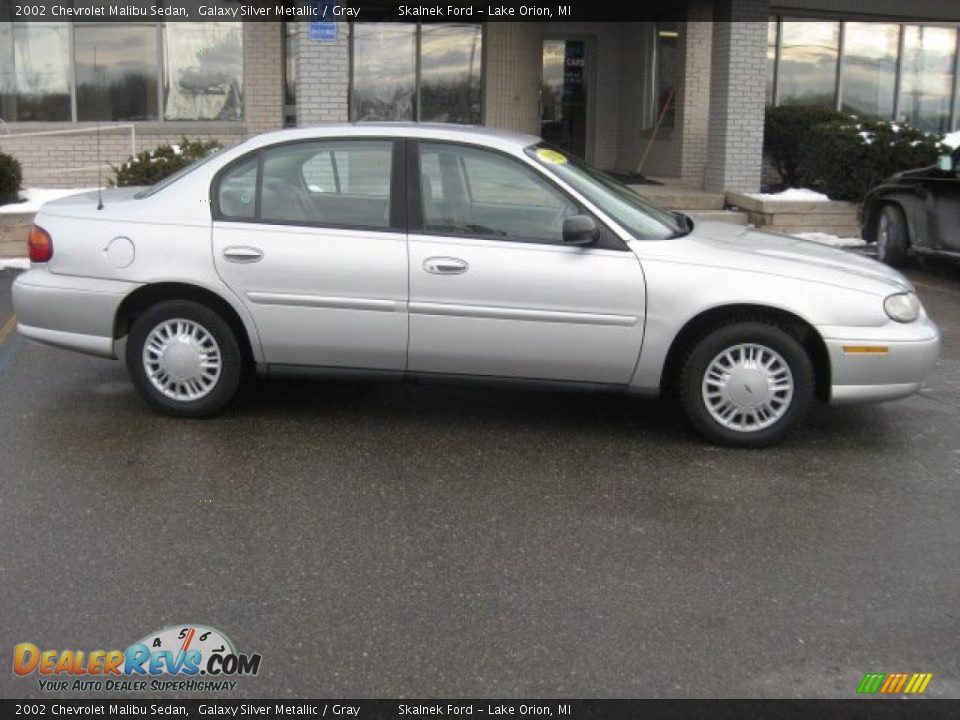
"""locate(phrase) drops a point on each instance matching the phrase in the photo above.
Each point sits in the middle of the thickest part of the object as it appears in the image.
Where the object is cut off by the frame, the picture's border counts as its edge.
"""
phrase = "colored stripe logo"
(894, 683)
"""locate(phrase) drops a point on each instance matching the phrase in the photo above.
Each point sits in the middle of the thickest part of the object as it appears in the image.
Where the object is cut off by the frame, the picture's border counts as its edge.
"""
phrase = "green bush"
(846, 159)
(11, 176)
(152, 166)
(786, 132)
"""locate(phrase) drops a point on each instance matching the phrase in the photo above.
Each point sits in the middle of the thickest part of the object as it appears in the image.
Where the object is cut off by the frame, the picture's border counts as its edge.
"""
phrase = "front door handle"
(445, 266)
(242, 254)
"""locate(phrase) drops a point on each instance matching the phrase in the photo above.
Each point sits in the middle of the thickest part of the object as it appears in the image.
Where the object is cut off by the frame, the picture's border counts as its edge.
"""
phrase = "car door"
(494, 291)
(311, 237)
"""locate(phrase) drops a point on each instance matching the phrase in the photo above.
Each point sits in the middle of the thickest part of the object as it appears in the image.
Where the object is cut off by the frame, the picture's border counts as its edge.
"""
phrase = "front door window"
(563, 102)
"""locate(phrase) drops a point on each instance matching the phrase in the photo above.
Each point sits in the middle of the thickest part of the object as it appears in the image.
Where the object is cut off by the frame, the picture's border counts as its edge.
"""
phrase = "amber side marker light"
(39, 244)
(866, 349)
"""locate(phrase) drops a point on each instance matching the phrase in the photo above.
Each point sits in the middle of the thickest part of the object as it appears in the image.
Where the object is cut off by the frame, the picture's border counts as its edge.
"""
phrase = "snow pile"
(33, 198)
(831, 240)
(952, 139)
(792, 195)
(14, 263)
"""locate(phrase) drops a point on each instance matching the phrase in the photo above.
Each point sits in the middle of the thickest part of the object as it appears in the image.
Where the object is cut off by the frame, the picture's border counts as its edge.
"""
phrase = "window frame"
(397, 221)
(607, 239)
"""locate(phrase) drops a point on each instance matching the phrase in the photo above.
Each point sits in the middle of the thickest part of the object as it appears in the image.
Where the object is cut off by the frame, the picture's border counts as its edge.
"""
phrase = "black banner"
(497, 709)
(324, 11)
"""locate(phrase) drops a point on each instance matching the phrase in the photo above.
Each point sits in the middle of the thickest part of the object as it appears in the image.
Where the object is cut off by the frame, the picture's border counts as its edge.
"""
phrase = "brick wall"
(737, 95)
(323, 77)
(262, 76)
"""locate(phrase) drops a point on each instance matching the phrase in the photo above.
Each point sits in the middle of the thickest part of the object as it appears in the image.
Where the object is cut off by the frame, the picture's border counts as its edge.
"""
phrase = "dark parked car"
(916, 212)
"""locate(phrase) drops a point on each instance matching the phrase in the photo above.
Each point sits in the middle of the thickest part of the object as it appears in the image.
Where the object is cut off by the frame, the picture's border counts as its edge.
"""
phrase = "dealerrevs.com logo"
(182, 658)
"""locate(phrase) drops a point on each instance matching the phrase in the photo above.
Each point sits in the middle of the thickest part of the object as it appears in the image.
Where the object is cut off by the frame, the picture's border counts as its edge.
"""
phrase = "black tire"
(219, 392)
(893, 238)
(703, 353)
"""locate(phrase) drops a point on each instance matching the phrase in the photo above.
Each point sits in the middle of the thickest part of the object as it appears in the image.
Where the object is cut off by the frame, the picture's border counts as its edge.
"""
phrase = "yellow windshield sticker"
(551, 156)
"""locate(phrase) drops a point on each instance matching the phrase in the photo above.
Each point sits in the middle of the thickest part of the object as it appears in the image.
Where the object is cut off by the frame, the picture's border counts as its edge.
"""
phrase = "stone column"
(513, 65)
(737, 95)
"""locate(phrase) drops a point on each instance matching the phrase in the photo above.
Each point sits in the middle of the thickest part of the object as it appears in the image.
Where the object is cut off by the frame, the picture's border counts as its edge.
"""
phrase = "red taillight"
(40, 245)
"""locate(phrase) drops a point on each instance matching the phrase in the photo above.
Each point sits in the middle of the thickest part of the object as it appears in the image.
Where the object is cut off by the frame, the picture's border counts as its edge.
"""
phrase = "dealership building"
(680, 96)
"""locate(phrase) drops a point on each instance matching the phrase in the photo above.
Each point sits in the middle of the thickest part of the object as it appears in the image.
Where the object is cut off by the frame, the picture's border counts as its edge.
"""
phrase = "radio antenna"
(96, 79)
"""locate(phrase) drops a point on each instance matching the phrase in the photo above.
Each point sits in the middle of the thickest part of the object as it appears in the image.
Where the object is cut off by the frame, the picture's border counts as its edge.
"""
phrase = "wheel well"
(145, 297)
(698, 327)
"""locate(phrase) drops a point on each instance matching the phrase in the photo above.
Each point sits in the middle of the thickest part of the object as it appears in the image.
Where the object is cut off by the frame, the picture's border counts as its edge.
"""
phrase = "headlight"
(902, 307)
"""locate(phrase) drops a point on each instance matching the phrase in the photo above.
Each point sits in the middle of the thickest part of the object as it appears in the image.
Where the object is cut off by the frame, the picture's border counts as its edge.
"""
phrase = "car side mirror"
(580, 230)
(945, 163)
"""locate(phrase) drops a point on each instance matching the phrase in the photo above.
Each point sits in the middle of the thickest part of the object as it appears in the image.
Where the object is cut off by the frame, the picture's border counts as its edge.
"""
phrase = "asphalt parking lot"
(383, 540)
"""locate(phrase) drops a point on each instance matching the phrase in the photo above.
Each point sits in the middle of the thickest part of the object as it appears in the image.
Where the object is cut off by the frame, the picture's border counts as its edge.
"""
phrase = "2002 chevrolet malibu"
(447, 251)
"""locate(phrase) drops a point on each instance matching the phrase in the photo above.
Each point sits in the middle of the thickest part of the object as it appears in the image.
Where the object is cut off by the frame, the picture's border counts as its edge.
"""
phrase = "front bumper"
(877, 364)
(67, 311)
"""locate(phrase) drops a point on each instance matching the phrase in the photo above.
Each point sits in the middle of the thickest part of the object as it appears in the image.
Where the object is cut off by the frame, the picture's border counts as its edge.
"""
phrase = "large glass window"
(869, 78)
(927, 81)
(384, 71)
(116, 67)
(668, 72)
(342, 183)
(385, 83)
(290, 48)
(808, 62)
(450, 58)
(114, 71)
(35, 71)
(204, 71)
(771, 60)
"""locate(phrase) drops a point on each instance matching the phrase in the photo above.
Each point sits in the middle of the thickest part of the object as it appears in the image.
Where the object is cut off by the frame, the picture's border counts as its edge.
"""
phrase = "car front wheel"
(184, 358)
(746, 384)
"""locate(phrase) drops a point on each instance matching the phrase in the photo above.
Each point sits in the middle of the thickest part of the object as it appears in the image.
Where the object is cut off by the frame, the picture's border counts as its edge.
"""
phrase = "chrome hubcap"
(747, 387)
(182, 360)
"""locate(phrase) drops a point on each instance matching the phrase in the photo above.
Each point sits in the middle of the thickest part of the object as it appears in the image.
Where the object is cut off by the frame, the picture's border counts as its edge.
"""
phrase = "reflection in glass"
(450, 80)
(771, 60)
(204, 70)
(808, 63)
(927, 76)
(290, 73)
(34, 71)
(869, 69)
(123, 85)
(384, 71)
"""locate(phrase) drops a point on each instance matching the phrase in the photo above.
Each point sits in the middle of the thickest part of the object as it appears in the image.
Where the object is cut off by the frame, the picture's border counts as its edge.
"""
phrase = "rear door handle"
(445, 266)
(242, 254)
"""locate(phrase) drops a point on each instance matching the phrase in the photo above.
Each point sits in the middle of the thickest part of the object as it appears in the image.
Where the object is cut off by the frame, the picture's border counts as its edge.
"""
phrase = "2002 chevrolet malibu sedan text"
(449, 251)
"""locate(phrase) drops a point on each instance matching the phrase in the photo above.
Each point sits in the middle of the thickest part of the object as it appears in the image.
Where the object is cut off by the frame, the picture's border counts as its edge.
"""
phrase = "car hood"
(738, 248)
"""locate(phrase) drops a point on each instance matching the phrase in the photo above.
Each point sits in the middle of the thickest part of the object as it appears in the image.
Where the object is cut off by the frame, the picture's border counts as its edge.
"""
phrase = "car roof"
(493, 137)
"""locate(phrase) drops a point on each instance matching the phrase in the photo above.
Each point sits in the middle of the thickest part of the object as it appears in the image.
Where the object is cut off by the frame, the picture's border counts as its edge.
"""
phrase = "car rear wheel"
(184, 359)
(746, 384)
(892, 240)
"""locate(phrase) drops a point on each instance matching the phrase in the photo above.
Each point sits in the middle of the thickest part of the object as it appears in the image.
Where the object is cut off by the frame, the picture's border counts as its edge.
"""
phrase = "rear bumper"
(901, 357)
(67, 311)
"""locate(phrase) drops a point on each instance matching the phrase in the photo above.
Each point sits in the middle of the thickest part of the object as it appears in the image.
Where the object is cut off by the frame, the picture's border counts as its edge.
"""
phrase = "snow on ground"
(791, 195)
(14, 263)
(35, 197)
(831, 240)
(952, 139)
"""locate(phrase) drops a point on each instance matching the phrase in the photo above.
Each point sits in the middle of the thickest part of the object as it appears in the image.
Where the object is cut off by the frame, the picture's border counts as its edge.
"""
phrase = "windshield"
(170, 179)
(642, 218)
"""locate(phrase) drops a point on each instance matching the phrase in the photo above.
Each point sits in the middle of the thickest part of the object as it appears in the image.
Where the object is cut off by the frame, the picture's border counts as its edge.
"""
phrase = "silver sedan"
(418, 250)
